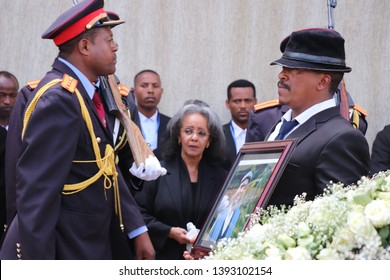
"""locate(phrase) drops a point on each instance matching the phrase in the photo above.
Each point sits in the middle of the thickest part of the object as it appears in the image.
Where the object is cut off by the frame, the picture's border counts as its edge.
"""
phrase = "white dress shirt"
(303, 117)
(239, 135)
(149, 129)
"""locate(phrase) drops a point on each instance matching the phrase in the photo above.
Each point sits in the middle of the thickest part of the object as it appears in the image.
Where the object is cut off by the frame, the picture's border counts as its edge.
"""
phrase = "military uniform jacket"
(380, 155)
(52, 225)
(328, 149)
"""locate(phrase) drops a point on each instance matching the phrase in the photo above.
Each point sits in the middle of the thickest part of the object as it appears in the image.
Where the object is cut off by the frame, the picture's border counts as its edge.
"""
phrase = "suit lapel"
(304, 130)
(162, 130)
(206, 195)
(311, 124)
(230, 143)
(270, 132)
(174, 187)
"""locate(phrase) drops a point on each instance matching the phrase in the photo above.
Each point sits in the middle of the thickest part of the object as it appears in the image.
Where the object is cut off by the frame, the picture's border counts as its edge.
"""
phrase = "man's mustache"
(281, 84)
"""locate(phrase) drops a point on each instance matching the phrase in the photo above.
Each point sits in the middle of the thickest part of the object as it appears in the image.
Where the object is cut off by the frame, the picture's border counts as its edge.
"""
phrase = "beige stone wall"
(199, 47)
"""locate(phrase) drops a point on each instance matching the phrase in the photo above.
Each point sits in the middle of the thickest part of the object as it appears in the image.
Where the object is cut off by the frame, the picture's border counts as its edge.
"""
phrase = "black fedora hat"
(86, 15)
(318, 49)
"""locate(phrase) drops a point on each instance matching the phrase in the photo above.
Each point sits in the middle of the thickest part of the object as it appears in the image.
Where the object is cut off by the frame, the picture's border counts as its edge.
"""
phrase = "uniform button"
(98, 139)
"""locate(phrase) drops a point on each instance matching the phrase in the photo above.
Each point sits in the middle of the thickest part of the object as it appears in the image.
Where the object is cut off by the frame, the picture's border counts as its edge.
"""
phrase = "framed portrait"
(248, 186)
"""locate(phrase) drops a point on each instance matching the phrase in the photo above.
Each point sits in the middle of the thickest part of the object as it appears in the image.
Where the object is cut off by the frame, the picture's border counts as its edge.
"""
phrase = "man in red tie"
(72, 201)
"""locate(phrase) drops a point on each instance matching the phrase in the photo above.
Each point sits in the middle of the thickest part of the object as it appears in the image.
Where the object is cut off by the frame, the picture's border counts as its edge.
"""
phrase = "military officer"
(72, 201)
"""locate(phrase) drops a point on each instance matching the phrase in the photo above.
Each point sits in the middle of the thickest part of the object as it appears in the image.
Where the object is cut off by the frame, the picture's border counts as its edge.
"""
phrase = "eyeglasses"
(11, 96)
(189, 132)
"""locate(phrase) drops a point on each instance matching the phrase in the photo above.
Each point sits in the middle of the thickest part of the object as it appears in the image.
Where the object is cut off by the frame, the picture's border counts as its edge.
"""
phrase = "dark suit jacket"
(380, 155)
(162, 135)
(3, 210)
(76, 226)
(171, 201)
(328, 149)
(230, 148)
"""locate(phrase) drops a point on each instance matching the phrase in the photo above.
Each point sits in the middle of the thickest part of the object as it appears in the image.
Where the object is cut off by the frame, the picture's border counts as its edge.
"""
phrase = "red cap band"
(76, 28)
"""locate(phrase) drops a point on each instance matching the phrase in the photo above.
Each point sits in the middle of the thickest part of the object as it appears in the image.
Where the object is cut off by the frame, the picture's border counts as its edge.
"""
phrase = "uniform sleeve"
(252, 134)
(380, 155)
(132, 218)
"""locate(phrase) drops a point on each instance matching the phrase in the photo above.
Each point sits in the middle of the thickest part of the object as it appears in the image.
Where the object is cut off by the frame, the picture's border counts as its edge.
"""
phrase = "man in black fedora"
(71, 198)
(328, 147)
(267, 113)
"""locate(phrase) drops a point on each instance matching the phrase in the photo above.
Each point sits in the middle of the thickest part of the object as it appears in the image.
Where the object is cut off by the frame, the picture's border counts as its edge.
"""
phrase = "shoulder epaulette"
(69, 83)
(124, 90)
(33, 84)
(267, 104)
(360, 110)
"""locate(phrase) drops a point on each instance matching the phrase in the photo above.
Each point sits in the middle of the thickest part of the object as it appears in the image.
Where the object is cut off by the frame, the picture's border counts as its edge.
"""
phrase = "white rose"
(286, 241)
(272, 253)
(298, 253)
(343, 240)
(327, 254)
(359, 224)
(378, 212)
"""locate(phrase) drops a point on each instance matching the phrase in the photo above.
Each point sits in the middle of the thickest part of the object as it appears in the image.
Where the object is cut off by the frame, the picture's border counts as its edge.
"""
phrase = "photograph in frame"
(248, 186)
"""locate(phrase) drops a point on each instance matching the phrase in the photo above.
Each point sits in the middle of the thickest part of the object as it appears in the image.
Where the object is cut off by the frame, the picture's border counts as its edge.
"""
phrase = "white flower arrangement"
(349, 223)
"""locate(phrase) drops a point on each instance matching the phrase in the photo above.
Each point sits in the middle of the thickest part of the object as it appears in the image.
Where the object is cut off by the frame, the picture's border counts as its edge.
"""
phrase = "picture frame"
(248, 187)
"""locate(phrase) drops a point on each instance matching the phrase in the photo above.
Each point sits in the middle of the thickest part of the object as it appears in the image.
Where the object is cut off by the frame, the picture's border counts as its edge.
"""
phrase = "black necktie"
(287, 126)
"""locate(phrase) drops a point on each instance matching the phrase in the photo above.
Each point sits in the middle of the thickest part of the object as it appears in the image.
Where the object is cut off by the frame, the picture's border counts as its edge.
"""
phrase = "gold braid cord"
(33, 104)
(107, 166)
(122, 141)
(355, 118)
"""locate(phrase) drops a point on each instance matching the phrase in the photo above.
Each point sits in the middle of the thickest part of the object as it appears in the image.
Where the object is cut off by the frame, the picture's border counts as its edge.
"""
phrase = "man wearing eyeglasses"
(9, 87)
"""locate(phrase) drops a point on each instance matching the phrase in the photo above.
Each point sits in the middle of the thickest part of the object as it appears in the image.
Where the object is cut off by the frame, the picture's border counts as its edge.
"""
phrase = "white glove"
(149, 171)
